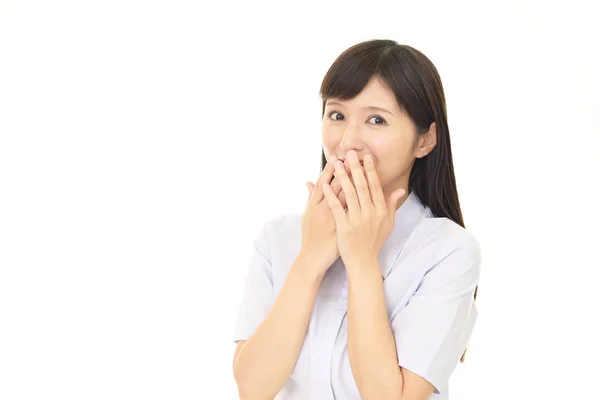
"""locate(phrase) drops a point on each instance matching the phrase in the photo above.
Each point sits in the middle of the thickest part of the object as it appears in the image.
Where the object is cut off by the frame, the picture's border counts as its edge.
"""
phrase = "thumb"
(311, 187)
(393, 201)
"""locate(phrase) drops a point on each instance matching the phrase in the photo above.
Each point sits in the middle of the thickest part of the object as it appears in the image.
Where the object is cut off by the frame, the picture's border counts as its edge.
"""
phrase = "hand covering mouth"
(349, 171)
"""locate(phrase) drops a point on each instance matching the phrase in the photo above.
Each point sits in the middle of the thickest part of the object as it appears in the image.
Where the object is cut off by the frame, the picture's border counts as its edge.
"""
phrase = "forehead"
(375, 93)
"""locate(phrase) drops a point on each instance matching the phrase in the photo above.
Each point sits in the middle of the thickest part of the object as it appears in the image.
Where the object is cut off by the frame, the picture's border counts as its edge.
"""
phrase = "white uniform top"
(430, 268)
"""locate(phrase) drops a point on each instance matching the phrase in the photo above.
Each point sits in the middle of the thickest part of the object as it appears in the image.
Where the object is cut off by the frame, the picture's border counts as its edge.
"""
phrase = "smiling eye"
(379, 118)
(335, 112)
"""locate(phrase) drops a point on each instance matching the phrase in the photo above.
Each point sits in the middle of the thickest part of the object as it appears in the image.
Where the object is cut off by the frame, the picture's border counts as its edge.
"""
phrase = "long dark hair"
(419, 92)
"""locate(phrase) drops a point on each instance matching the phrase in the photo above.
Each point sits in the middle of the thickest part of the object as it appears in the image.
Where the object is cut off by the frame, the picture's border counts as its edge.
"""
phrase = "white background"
(143, 144)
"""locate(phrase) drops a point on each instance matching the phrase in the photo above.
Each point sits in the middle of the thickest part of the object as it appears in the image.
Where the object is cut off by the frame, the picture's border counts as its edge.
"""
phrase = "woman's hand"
(364, 227)
(319, 241)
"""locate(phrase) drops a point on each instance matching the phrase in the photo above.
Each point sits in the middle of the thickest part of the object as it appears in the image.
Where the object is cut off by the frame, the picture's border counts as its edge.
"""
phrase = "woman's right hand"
(319, 241)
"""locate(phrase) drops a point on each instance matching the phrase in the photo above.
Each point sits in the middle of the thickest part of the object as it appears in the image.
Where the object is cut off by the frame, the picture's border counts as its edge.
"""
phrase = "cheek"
(380, 143)
(330, 140)
(383, 150)
(391, 157)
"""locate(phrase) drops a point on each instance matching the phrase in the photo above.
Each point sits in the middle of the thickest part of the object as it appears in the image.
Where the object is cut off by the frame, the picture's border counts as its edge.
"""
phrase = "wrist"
(309, 267)
(362, 266)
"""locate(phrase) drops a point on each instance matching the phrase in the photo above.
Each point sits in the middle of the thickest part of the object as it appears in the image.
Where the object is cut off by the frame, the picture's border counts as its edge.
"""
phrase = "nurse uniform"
(430, 267)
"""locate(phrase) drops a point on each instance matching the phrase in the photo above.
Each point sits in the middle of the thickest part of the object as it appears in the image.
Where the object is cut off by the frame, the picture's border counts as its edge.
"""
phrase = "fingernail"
(368, 159)
(338, 165)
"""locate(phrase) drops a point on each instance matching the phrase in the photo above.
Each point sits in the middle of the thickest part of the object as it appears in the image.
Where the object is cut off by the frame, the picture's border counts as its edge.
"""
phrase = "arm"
(426, 336)
(371, 344)
(430, 333)
(267, 359)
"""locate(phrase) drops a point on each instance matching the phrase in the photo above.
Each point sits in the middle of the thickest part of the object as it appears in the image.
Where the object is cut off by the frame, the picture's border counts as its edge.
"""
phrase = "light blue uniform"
(430, 268)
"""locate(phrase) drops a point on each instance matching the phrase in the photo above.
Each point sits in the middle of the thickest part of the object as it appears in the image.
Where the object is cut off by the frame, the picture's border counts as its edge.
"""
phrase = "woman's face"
(372, 123)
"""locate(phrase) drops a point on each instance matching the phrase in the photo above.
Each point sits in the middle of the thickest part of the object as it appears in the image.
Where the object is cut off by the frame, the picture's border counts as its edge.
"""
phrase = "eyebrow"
(374, 108)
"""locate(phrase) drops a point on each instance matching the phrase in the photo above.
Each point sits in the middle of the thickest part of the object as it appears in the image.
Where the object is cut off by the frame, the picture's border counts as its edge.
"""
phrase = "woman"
(369, 294)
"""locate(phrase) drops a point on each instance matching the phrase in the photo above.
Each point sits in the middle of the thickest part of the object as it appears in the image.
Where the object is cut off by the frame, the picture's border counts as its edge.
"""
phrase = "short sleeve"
(433, 330)
(258, 292)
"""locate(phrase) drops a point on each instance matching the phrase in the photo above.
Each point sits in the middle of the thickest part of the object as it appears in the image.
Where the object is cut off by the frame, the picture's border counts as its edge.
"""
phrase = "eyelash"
(384, 121)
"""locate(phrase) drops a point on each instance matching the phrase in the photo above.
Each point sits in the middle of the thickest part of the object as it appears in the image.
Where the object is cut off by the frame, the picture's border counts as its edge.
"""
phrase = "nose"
(351, 140)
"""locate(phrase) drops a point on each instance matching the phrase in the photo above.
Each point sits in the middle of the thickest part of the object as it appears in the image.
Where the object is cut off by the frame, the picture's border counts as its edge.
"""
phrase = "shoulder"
(445, 243)
(447, 232)
(279, 242)
(279, 230)
(281, 225)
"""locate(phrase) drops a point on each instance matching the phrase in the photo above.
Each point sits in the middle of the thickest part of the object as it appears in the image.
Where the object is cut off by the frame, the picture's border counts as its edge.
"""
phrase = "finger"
(347, 187)
(360, 182)
(337, 189)
(393, 201)
(334, 204)
(311, 187)
(374, 183)
(325, 176)
(342, 198)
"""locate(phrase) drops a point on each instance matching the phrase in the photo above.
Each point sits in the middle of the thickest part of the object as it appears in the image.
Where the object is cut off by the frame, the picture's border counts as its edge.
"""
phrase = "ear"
(427, 141)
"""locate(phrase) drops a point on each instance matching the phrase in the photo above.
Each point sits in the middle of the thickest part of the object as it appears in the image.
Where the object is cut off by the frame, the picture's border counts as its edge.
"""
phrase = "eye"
(378, 118)
(334, 112)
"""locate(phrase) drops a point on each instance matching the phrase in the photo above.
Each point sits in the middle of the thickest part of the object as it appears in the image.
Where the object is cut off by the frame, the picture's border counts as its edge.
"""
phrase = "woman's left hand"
(369, 219)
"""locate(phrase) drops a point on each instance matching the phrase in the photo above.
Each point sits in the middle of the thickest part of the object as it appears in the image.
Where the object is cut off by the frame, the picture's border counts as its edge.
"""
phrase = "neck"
(402, 182)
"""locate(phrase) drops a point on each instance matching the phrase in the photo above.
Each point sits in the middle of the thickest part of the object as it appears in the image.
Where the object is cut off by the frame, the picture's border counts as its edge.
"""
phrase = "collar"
(406, 218)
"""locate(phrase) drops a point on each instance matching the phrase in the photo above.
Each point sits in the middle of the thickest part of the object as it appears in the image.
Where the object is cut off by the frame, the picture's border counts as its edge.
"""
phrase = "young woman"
(369, 294)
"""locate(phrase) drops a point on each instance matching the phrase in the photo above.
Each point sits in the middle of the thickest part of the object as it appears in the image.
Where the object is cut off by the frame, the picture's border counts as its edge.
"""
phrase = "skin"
(388, 145)
(361, 232)
(263, 363)
(351, 218)
(389, 137)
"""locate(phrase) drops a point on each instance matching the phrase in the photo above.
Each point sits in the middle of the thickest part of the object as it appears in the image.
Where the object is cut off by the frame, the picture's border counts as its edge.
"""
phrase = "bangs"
(352, 70)
(404, 70)
(346, 80)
